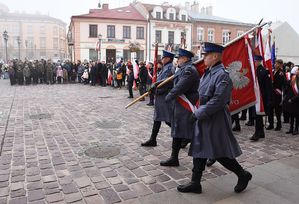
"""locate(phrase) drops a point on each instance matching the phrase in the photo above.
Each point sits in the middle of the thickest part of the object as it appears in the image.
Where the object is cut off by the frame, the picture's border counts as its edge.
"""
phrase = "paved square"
(45, 130)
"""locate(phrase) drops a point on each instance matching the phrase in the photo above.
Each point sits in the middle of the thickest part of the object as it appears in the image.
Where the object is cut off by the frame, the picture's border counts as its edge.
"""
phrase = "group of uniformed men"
(208, 126)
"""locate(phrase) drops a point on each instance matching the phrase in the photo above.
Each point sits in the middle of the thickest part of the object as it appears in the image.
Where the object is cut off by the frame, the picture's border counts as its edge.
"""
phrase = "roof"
(25, 16)
(196, 16)
(124, 13)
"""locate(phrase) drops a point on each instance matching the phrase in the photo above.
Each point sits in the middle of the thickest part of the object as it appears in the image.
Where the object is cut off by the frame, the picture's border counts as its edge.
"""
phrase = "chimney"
(203, 10)
(187, 6)
(209, 10)
(105, 6)
(195, 7)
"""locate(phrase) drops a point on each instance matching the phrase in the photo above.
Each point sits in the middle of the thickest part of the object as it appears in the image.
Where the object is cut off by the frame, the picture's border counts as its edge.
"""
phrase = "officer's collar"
(186, 63)
(216, 67)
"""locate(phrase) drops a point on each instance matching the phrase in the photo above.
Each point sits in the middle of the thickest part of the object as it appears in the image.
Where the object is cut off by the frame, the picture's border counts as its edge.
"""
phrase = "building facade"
(108, 34)
(169, 26)
(32, 36)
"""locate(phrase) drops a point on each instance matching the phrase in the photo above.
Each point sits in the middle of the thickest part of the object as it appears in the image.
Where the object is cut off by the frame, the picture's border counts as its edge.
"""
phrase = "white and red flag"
(268, 54)
(238, 60)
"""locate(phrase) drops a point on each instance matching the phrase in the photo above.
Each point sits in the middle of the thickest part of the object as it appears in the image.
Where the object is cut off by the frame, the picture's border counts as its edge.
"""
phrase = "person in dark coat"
(130, 79)
(142, 78)
(213, 136)
(291, 101)
(265, 85)
(162, 111)
(184, 90)
(278, 83)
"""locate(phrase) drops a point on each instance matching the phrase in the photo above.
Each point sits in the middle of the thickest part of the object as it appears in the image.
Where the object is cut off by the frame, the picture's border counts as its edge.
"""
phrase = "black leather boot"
(174, 158)
(210, 162)
(193, 186)
(237, 128)
(152, 142)
(243, 182)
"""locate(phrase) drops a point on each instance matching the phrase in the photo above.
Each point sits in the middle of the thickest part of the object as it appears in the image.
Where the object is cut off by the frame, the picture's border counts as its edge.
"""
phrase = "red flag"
(236, 60)
(154, 78)
(268, 54)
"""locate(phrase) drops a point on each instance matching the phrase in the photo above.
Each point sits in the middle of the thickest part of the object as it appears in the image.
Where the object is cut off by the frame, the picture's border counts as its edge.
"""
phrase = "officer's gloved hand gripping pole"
(157, 85)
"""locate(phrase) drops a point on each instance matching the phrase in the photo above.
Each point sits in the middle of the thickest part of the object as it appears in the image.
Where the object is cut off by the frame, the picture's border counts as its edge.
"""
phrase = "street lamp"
(19, 46)
(5, 37)
(100, 45)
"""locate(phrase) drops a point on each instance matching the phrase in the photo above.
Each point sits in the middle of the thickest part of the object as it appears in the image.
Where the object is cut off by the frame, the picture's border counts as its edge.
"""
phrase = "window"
(127, 32)
(42, 42)
(16, 30)
(140, 32)
(171, 16)
(55, 43)
(225, 37)
(210, 35)
(158, 15)
(93, 31)
(170, 37)
(183, 17)
(55, 31)
(126, 55)
(110, 31)
(158, 36)
(200, 34)
(93, 55)
(42, 30)
(30, 42)
(30, 30)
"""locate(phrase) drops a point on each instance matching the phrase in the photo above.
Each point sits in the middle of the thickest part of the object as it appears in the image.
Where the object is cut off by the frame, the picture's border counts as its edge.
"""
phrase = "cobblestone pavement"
(46, 129)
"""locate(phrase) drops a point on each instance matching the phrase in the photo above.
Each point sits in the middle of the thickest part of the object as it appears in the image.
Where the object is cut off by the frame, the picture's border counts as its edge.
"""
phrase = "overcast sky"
(250, 11)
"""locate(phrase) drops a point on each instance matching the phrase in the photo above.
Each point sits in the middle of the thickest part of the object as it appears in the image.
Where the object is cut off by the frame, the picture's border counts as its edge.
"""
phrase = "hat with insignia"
(258, 58)
(185, 53)
(208, 47)
(294, 70)
(168, 54)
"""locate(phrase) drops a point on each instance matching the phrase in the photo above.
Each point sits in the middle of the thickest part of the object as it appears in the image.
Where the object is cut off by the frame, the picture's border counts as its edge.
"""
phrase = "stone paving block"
(16, 186)
(94, 200)
(139, 172)
(173, 173)
(22, 200)
(97, 179)
(110, 174)
(50, 178)
(4, 178)
(82, 182)
(126, 195)
(69, 188)
(3, 184)
(38, 202)
(73, 197)
(89, 191)
(33, 178)
(51, 191)
(3, 200)
(140, 189)
(102, 185)
(120, 187)
(148, 180)
(163, 178)
(170, 184)
(54, 197)
(36, 195)
(65, 180)
(4, 192)
(18, 193)
(110, 196)
(35, 185)
(115, 180)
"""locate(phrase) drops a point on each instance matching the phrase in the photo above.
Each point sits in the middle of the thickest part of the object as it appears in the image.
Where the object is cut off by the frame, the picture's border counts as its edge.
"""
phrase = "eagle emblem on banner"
(238, 75)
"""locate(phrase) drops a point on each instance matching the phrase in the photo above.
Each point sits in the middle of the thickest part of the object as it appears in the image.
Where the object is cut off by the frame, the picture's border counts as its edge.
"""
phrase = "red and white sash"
(182, 99)
(295, 89)
(288, 76)
(278, 91)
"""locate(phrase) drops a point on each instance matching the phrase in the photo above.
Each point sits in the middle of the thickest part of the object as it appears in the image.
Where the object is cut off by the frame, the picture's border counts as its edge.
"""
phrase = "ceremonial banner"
(236, 60)
(154, 78)
(268, 55)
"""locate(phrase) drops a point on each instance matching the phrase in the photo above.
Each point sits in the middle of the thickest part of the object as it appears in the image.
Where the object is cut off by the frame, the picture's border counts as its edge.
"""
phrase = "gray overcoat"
(213, 136)
(186, 83)
(162, 110)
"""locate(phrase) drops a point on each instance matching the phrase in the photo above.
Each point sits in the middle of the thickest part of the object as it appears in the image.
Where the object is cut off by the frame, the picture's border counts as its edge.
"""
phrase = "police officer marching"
(162, 111)
(213, 136)
(185, 86)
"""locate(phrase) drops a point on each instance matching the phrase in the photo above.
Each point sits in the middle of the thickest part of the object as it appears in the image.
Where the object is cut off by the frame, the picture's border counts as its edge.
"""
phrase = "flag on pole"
(236, 60)
(154, 78)
(268, 55)
(273, 54)
(259, 49)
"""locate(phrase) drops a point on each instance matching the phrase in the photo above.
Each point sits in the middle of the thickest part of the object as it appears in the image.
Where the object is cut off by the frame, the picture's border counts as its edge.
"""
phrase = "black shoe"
(170, 162)
(149, 143)
(237, 128)
(130, 97)
(295, 132)
(150, 104)
(262, 135)
(243, 117)
(243, 182)
(277, 128)
(210, 162)
(191, 187)
(254, 138)
(270, 127)
(249, 123)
